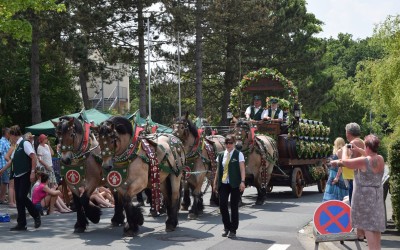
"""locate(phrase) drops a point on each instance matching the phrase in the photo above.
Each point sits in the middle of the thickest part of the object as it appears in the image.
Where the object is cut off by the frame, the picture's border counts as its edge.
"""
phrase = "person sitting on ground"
(274, 113)
(43, 196)
(106, 193)
(255, 111)
(99, 200)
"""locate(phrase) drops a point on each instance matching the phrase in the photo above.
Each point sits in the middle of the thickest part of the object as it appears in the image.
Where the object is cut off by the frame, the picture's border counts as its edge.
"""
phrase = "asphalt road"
(274, 225)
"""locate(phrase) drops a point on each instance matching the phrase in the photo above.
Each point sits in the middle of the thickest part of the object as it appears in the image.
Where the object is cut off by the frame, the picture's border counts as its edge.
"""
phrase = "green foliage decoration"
(317, 172)
(254, 76)
(394, 163)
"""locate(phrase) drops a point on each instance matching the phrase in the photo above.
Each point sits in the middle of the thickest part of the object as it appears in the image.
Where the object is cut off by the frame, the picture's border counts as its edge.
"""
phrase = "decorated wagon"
(300, 146)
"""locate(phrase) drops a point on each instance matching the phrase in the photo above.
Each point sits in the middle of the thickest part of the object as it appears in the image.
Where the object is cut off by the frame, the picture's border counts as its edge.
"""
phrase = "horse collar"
(194, 147)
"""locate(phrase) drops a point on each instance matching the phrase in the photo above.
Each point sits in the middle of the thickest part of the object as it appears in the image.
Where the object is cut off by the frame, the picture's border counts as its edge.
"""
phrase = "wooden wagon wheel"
(297, 182)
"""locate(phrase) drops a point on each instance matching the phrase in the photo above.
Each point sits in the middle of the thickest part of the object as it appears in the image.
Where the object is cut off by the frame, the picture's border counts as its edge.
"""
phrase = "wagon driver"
(255, 111)
(274, 113)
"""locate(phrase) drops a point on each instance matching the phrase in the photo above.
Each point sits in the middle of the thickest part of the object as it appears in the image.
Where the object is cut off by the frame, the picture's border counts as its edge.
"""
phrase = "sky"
(356, 17)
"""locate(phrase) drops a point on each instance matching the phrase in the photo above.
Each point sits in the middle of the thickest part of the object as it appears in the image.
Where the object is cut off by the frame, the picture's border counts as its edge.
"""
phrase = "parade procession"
(246, 130)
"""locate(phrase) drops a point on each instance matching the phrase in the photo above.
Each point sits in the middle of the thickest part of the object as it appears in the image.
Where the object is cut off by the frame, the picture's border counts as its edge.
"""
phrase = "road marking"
(279, 247)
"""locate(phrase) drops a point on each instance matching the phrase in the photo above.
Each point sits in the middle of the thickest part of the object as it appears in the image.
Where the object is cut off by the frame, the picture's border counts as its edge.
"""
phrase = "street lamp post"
(179, 78)
(148, 62)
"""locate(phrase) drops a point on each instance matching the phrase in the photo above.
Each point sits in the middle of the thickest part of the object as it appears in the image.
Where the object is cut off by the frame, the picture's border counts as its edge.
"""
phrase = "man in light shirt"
(274, 113)
(255, 111)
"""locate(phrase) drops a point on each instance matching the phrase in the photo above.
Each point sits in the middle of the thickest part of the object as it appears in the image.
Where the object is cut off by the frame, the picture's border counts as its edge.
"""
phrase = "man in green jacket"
(23, 171)
(230, 180)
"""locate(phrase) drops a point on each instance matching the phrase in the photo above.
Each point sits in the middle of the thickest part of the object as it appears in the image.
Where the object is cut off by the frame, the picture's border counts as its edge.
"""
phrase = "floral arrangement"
(317, 172)
(254, 76)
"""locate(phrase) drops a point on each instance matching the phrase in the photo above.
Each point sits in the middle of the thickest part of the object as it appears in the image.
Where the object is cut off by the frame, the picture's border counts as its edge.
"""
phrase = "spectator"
(97, 198)
(230, 180)
(4, 175)
(335, 187)
(367, 209)
(45, 164)
(23, 171)
(43, 196)
(58, 205)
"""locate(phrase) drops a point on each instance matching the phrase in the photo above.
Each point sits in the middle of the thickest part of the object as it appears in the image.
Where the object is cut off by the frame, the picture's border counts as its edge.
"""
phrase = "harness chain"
(154, 175)
(210, 152)
(265, 156)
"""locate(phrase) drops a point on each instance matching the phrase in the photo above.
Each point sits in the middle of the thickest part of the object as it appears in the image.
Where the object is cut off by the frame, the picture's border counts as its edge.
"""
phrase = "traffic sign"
(332, 217)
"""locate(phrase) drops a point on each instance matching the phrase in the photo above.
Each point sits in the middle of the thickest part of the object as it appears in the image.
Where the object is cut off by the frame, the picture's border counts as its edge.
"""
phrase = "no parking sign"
(332, 217)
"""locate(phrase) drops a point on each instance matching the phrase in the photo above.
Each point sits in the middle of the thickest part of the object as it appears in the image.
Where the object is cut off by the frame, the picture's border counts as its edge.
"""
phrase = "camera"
(349, 146)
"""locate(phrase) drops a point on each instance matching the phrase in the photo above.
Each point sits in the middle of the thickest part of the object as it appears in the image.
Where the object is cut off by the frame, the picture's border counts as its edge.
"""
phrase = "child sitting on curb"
(43, 196)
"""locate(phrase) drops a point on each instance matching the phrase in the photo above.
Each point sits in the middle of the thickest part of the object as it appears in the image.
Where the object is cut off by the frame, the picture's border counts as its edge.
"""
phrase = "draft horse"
(260, 153)
(80, 167)
(201, 152)
(133, 162)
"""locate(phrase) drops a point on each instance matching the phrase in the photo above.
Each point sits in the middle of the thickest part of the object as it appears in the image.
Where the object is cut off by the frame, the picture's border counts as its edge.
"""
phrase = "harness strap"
(154, 174)
(211, 156)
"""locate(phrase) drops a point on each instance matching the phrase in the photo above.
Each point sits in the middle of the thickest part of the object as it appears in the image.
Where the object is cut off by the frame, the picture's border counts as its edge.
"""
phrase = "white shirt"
(248, 110)
(265, 114)
(43, 153)
(224, 158)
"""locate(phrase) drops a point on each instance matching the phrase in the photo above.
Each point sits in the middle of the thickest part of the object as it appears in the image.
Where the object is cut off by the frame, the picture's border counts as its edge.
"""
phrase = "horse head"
(242, 132)
(114, 138)
(183, 127)
(69, 131)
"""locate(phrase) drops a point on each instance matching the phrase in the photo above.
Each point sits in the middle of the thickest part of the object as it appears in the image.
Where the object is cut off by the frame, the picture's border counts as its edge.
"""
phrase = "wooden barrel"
(286, 147)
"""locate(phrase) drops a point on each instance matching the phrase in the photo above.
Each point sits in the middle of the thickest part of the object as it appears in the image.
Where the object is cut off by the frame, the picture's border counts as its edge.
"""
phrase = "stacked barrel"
(311, 139)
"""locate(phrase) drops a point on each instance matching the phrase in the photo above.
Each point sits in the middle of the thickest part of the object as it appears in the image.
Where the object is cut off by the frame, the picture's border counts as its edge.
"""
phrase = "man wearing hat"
(255, 111)
(273, 114)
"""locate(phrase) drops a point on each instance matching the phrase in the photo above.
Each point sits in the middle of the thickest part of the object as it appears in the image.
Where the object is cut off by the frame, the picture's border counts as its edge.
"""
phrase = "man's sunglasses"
(228, 142)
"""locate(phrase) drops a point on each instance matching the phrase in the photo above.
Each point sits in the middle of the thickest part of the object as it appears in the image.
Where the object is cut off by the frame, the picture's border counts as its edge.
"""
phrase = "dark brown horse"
(201, 152)
(80, 167)
(133, 162)
(261, 154)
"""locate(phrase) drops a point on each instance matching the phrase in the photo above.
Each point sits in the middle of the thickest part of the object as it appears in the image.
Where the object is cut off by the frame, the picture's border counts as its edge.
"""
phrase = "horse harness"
(195, 152)
(259, 146)
(74, 173)
(117, 176)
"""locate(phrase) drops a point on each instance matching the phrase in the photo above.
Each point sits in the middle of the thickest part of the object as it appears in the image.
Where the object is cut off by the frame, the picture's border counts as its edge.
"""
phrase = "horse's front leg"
(119, 217)
(171, 193)
(197, 206)
(81, 222)
(134, 215)
(186, 196)
(92, 211)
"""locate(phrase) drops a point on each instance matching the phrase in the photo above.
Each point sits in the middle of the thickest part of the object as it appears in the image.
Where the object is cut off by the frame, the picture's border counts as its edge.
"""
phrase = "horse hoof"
(140, 204)
(184, 208)
(169, 228)
(213, 204)
(79, 230)
(192, 216)
(116, 224)
(259, 202)
(131, 233)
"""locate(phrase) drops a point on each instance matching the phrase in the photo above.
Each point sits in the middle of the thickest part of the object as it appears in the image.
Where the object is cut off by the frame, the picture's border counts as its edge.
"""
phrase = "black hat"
(257, 97)
(274, 100)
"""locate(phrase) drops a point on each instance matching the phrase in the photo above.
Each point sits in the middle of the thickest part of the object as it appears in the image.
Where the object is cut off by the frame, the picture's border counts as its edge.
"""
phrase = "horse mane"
(77, 123)
(192, 128)
(122, 125)
(243, 123)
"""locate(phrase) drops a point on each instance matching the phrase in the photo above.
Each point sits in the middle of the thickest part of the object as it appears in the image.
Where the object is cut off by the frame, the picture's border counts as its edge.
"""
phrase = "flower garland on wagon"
(236, 93)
